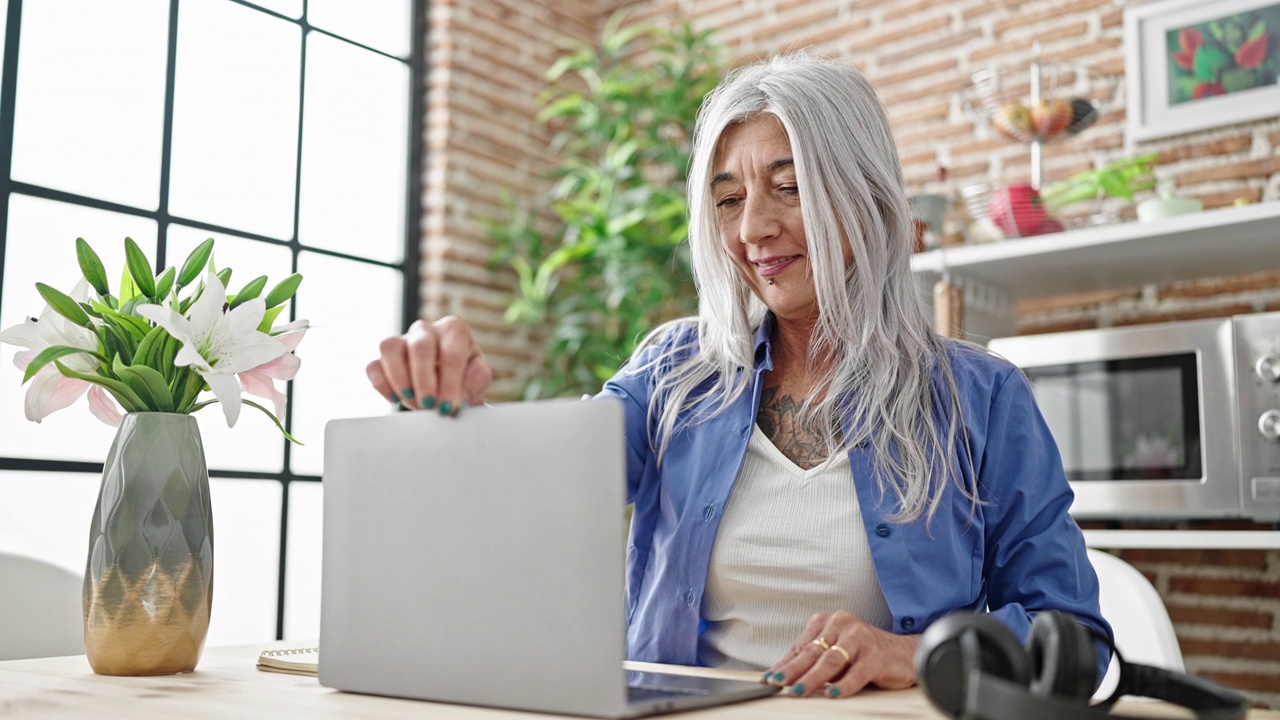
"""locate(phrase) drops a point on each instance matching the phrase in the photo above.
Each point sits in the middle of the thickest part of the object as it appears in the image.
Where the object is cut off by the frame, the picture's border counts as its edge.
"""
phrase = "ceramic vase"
(148, 582)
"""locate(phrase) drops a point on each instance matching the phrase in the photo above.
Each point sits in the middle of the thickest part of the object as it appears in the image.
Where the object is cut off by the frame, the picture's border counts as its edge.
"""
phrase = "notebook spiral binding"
(290, 651)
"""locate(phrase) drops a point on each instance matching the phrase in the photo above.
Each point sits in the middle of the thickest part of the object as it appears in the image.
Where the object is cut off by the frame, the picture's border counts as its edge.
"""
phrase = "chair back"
(1143, 631)
(40, 609)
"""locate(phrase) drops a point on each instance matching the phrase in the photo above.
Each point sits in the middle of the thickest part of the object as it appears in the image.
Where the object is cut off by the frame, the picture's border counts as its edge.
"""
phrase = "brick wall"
(486, 65)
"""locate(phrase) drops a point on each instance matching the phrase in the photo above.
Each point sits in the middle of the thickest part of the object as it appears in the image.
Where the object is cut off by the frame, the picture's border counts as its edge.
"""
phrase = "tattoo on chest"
(779, 419)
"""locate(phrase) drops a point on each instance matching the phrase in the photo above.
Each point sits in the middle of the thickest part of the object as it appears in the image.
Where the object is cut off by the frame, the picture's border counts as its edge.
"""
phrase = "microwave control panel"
(1257, 342)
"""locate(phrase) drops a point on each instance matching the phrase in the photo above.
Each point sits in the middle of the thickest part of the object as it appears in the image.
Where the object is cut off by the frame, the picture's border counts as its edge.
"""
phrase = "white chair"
(1143, 631)
(40, 609)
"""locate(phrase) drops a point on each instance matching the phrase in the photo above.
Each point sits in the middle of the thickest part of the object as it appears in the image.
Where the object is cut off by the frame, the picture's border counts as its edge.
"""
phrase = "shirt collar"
(763, 343)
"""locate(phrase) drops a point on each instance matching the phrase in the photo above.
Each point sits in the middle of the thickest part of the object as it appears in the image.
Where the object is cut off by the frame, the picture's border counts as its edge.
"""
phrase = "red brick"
(1225, 617)
(1222, 286)
(919, 72)
(1038, 328)
(1191, 314)
(1240, 170)
(1222, 648)
(1232, 588)
(1254, 559)
(1081, 300)
(1056, 11)
(1214, 148)
(928, 47)
(917, 29)
(1262, 682)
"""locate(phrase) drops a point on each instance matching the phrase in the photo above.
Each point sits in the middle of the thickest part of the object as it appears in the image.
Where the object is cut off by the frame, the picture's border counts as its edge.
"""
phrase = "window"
(284, 129)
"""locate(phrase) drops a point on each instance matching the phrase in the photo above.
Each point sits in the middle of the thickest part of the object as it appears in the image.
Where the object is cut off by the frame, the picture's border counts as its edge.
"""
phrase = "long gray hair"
(873, 344)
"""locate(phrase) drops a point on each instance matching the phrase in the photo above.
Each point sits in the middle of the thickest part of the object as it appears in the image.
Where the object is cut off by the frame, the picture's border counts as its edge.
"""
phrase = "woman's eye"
(727, 202)
(790, 189)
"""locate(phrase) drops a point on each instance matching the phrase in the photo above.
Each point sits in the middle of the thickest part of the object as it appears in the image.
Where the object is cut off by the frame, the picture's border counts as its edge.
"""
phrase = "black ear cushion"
(940, 666)
(1062, 658)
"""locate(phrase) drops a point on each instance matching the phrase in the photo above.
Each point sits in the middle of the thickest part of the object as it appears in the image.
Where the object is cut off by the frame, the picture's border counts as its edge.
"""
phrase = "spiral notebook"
(294, 661)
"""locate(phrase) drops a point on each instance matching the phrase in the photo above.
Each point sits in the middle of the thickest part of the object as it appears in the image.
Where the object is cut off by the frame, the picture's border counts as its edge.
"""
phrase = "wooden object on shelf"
(948, 308)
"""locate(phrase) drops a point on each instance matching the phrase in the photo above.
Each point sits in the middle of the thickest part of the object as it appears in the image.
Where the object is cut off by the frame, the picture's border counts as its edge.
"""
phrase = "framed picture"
(1192, 65)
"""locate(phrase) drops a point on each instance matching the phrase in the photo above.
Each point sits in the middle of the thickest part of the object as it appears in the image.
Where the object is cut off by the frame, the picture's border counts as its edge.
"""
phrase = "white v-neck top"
(791, 543)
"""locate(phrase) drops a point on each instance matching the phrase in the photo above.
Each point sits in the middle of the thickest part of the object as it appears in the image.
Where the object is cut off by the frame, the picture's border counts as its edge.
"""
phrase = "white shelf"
(1226, 241)
(1183, 539)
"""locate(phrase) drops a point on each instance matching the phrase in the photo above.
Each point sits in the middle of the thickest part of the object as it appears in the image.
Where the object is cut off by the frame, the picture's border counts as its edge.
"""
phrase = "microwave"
(1163, 421)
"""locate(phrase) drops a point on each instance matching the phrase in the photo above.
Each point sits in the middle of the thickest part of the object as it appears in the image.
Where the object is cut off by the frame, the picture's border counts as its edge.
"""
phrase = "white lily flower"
(260, 380)
(49, 391)
(217, 343)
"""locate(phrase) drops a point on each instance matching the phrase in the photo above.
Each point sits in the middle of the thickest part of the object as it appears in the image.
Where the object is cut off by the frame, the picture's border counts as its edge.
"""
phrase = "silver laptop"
(479, 560)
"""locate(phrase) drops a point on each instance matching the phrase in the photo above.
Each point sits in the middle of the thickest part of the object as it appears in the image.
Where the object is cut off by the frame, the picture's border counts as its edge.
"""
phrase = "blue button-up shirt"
(1019, 553)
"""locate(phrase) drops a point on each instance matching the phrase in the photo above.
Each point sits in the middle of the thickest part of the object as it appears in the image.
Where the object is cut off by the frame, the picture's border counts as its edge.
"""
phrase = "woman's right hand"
(433, 366)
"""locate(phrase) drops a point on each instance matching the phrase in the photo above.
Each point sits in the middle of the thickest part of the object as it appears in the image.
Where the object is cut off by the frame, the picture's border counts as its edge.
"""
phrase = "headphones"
(973, 667)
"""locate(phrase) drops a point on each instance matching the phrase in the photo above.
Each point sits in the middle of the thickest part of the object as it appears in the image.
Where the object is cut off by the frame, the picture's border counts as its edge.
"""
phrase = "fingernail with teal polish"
(393, 398)
(797, 689)
(407, 394)
(833, 692)
(428, 402)
(446, 408)
(767, 676)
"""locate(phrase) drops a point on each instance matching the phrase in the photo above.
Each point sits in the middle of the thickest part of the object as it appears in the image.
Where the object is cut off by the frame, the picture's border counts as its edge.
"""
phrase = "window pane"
(380, 24)
(246, 528)
(290, 8)
(235, 118)
(354, 151)
(46, 515)
(302, 569)
(90, 101)
(254, 444)
(41, 248)
(352, 307)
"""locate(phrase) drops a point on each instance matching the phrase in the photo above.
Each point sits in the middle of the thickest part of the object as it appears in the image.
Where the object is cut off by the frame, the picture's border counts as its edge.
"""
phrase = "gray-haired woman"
(817, 475)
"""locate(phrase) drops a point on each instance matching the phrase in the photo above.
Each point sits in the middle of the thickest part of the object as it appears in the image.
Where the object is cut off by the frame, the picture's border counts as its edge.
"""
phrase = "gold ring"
(822, 643)
(842, 651)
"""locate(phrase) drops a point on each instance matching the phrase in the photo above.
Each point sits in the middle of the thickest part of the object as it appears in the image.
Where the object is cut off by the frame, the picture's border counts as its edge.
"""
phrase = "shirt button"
(708, 513)
(882, 530)
(688, 598)
(908, 623)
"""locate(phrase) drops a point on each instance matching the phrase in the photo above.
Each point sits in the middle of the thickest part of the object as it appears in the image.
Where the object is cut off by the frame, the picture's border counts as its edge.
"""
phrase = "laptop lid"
(478, 559)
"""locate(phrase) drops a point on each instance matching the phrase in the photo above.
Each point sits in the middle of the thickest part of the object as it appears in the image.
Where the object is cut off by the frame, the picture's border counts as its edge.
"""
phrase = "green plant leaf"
(91, 267)
(132, 324)
(269, 318)
(51, 353)
(195, 263)
(1208, 62)
(251, 290)
(147, 384)
(123, 394)
(225, 276)
(139, 268)
(165, 283)
(116, 342)
(1236, 79)
(284, 290)
(268, 413)
(128, 288)
(1257, 29)
(148, 352)
(64, 305)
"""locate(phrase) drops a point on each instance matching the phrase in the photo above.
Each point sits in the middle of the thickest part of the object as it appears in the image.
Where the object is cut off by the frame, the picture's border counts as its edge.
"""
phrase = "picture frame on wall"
(1193, 65)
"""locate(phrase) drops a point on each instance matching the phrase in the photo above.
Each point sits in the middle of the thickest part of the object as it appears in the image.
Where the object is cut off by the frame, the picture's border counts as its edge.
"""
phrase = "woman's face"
(757, 203)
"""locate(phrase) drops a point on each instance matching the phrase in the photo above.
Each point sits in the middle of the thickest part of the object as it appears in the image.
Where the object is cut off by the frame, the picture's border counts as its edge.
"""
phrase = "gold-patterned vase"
(148, 582)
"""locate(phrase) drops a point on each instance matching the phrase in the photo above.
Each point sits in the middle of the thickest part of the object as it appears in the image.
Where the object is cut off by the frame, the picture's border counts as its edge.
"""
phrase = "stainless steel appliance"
(1175, 420)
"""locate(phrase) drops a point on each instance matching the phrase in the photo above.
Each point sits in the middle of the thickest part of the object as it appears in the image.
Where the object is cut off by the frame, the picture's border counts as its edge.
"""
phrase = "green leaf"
(251, 290)
(139, 268)
(274, 419)
(149, 349)
(123, 394)
(284, 290)
(147, 384)
(269, 318)
(64, 305)
(1236, 79)
(91, 267)
(165, 283)
(225, 276)
(51, 353)
(195, 263)
(1208, 62)
(128, 288)
(132, 324)
(1257, 29)
(116, 343)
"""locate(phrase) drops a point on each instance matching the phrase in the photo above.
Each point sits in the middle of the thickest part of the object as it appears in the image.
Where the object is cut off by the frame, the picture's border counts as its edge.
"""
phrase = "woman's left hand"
(875, 657)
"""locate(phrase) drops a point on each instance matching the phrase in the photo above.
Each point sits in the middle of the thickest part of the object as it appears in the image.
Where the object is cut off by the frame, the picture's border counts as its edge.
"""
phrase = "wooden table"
(227, 685)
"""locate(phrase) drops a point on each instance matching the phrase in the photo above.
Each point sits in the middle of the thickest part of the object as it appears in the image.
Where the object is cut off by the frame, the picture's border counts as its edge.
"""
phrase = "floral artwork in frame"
(1192, 65)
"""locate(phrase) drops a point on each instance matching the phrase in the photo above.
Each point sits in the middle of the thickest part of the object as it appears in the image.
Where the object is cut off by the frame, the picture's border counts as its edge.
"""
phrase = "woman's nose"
(759, 220)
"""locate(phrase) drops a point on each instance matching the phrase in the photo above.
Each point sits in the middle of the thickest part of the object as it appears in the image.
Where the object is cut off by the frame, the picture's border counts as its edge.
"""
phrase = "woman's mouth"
(769, 267)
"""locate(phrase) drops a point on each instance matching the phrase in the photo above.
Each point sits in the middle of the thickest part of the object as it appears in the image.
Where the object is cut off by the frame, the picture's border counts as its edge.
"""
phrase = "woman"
(817, 475)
